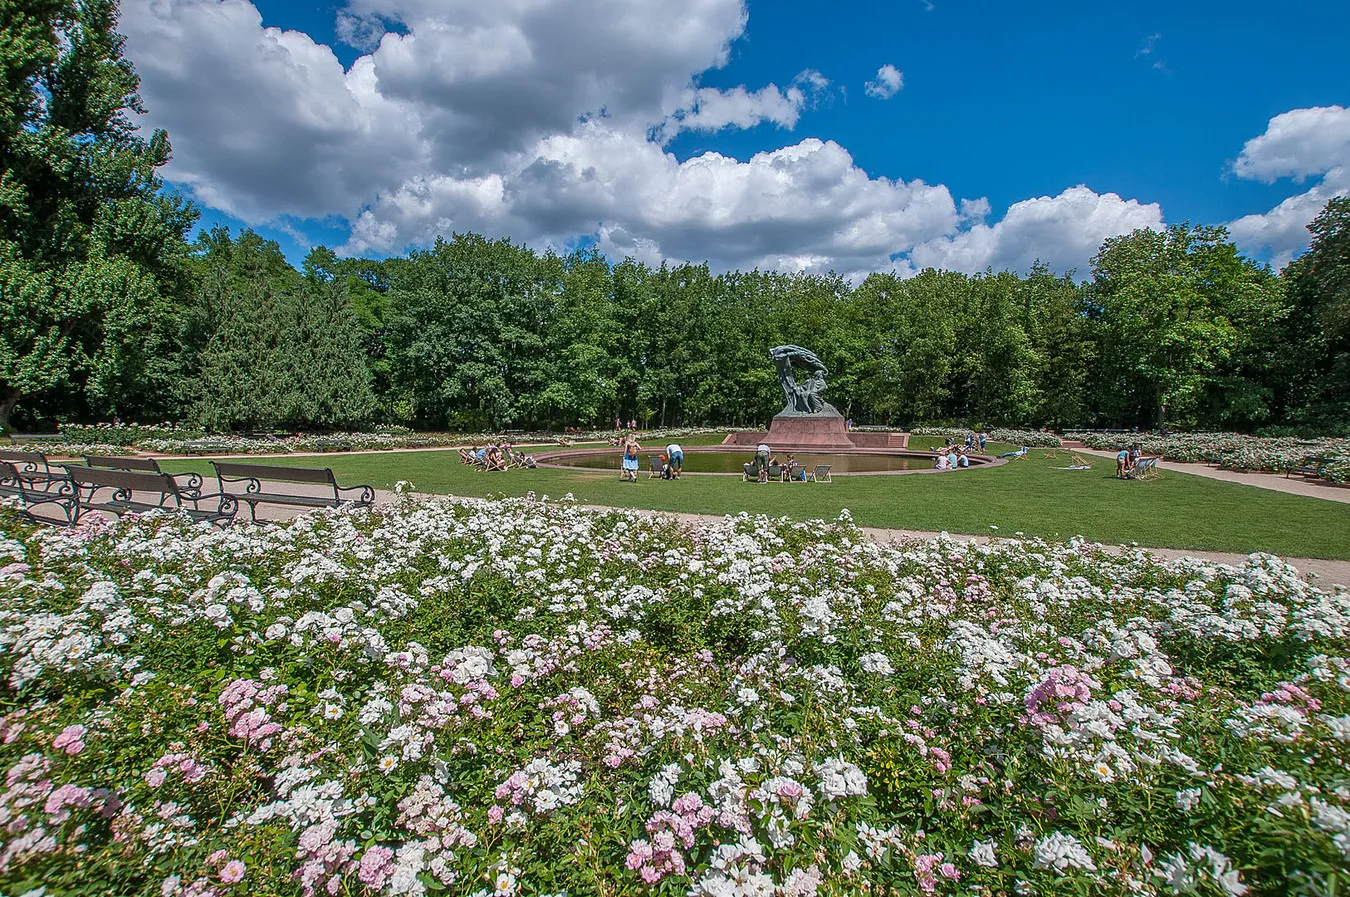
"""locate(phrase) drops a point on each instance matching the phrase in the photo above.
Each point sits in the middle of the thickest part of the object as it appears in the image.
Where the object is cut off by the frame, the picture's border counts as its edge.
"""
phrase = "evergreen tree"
(325, 381)
(243, 381)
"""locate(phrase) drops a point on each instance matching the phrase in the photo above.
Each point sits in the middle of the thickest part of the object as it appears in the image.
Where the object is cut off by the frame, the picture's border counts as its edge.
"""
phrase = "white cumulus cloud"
(1063, 231)
(1299, 144)
(712, 109)
(890, 81)
(545, 121)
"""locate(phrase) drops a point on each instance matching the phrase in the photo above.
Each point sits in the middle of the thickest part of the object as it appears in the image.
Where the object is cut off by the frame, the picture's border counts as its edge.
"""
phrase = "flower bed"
(522, 698)
(63, 449)
(170, 439)
(1031, 438)
(1271, 454)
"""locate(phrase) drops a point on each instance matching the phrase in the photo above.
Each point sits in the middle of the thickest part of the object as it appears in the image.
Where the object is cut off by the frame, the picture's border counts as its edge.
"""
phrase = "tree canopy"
(90, 246)
(107, 309)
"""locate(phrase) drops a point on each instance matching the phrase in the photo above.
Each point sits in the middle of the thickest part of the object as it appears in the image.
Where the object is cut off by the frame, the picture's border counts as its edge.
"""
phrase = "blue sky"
(1004, 103)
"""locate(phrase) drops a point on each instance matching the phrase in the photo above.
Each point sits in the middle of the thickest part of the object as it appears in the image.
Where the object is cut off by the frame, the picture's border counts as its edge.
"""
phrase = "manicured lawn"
(1028, 496)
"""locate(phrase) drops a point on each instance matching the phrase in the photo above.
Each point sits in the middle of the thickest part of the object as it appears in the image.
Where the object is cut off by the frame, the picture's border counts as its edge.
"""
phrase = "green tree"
(242, 383)
(1170, 308)
(88, 245)
(1317, 335)
(466, 326)
(324, 379)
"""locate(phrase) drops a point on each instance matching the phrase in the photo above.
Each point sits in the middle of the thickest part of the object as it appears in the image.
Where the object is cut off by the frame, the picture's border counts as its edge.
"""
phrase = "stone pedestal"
(824, 432)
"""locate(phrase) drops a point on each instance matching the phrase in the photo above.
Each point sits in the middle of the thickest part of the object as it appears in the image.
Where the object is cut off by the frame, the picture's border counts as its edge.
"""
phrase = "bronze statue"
(802, 398)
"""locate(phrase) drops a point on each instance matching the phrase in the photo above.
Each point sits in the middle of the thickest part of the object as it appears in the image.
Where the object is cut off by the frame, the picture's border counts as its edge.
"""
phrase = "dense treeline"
(475, 334)
(107, 310)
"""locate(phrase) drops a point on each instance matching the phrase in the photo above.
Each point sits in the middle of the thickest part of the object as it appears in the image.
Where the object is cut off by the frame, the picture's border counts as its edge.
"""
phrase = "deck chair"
(1146, 469)
(748, 473)
(653, 467)
(822, 474)
(776, 472)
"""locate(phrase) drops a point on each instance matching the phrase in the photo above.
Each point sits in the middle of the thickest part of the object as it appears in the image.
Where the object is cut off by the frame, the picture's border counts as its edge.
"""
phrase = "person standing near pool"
(675, 457)
(762, 456)
(631, 447)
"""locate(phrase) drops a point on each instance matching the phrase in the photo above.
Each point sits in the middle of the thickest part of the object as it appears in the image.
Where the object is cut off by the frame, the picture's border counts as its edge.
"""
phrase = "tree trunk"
(7, 408)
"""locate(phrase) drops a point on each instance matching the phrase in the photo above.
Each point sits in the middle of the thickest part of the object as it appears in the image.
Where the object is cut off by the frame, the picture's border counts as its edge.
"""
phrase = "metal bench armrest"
(367, 496)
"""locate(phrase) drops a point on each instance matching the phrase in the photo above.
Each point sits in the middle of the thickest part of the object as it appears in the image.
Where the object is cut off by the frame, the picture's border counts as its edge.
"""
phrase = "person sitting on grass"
(667, 470)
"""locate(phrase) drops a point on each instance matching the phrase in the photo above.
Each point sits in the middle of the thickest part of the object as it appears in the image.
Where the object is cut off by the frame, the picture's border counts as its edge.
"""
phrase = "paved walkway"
(1276, 482)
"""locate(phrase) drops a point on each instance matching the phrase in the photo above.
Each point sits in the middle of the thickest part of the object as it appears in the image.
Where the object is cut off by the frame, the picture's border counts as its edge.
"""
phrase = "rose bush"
(529, 698)
(1030, 438)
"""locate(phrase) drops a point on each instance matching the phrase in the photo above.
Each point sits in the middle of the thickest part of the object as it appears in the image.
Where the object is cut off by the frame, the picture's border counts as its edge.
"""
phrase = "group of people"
(954, 458)
(972, 440)
(672, 462)
(496, 456)
(787, 469)
(1127, 459)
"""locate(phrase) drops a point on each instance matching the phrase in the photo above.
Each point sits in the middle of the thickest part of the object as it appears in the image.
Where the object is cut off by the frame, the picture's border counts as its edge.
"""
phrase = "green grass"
(1175, 511)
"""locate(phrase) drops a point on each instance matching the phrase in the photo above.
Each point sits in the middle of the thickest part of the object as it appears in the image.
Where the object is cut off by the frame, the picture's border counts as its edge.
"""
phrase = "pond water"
(731, 462)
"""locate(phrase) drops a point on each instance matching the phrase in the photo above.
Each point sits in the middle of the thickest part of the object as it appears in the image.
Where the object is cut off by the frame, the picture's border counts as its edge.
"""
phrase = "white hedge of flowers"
(1029, 438)
(1275, 454)
(170, 439)
(520, 698)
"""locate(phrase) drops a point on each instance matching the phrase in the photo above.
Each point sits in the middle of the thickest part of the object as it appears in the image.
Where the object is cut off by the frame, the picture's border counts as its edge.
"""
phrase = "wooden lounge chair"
(748, 472)
(654, 466)
(822, 474)
(1146, 469)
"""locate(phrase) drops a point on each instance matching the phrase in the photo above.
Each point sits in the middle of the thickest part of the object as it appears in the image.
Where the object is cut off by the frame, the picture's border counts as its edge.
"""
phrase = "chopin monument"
(803, 398)
(807, 422)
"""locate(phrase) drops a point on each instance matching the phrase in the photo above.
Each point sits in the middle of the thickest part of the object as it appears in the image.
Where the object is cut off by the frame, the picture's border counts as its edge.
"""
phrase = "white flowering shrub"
(500, 698)
(1009, 436)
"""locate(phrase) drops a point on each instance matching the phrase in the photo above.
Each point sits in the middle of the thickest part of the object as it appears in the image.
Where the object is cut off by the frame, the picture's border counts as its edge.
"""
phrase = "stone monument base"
(808, 432)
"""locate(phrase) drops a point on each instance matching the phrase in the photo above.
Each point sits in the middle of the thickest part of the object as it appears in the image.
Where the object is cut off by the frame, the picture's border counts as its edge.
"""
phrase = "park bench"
(31, 438)
(138, 491)
(1312, 468)
(190, 482)
(277, 478)
(34, 469)
(15, 484)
